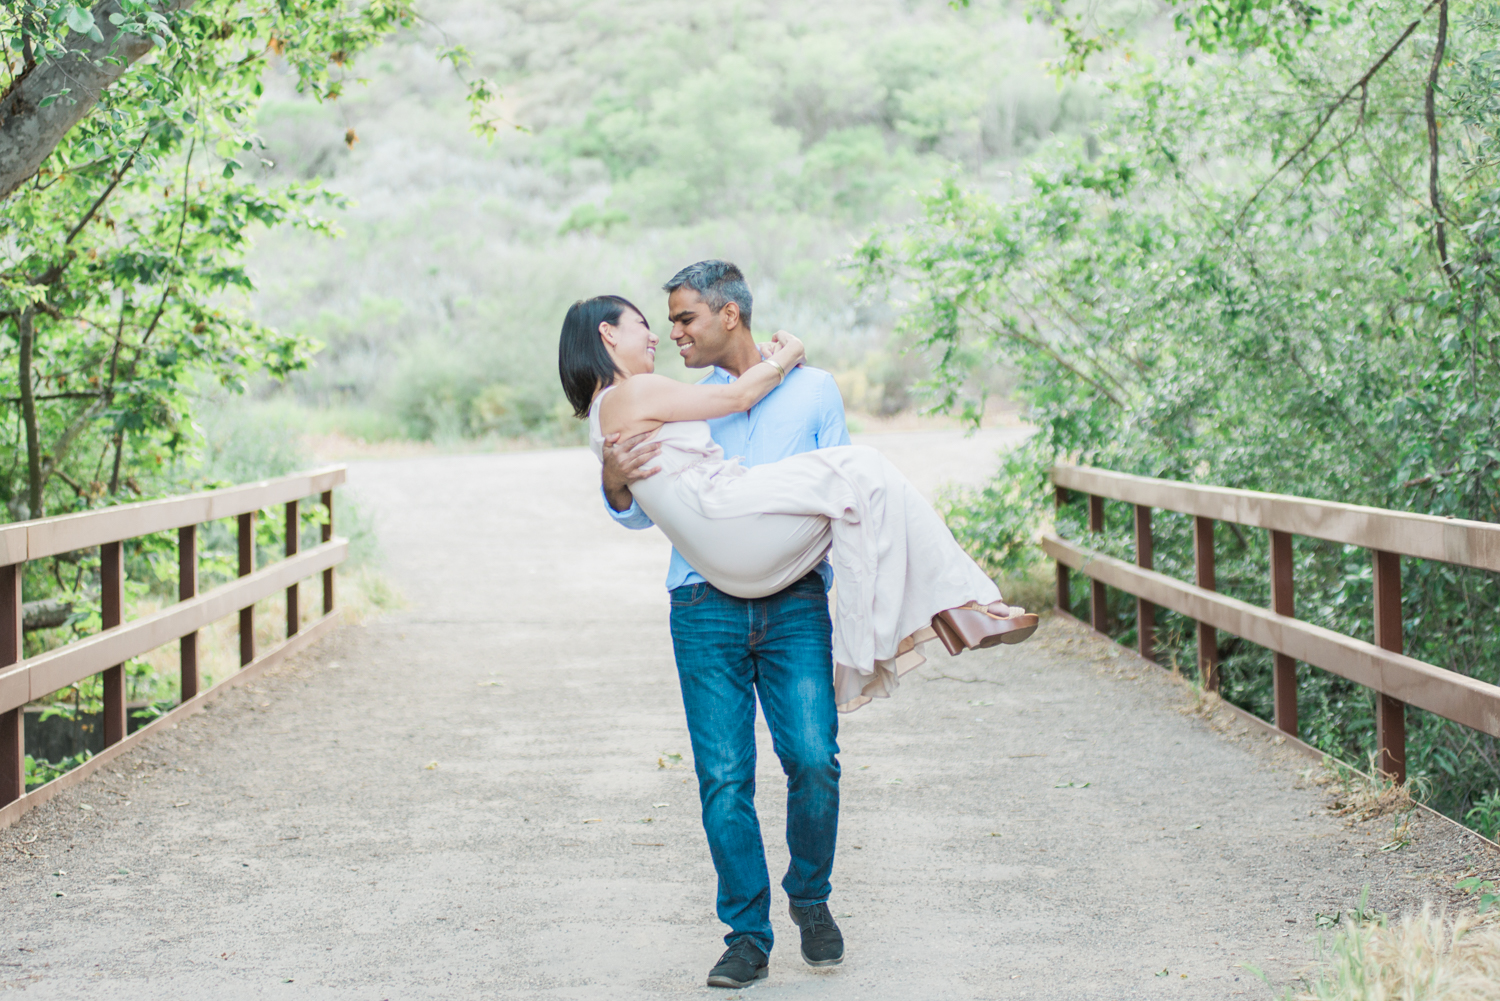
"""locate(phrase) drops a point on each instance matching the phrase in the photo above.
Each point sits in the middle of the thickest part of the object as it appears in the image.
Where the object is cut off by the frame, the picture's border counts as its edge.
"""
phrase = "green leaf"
(80, 19)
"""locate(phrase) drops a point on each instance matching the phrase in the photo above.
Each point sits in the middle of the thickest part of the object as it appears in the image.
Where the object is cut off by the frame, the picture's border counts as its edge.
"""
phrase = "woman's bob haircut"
(582, 360)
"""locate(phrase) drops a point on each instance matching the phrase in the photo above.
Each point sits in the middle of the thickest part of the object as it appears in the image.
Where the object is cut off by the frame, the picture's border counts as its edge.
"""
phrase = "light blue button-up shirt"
(803, 413)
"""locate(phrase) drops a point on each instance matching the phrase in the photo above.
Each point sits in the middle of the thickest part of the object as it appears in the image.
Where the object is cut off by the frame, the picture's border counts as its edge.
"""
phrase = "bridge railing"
(1398, 679)
(24, 680)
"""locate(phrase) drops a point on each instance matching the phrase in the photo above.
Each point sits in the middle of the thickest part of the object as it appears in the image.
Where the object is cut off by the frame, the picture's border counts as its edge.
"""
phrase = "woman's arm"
(644, 402)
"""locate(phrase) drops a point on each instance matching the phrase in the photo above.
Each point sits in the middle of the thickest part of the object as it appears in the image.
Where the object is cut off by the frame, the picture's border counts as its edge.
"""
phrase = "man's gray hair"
(719, 283)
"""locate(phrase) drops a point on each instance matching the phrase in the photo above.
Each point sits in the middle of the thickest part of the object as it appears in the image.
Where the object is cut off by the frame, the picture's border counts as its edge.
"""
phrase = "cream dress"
(752, 532)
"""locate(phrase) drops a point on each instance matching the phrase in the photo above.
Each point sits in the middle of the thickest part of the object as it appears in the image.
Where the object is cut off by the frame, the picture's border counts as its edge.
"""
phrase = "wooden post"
(1390, 714)
(111, 613)
(328, 537)
(293, 606)
(1284, 679)
(247, 566)
(1064, 592)
(1145, 611)
(12, 722)
(1098, 596)
(187, 587)
(1208, 640)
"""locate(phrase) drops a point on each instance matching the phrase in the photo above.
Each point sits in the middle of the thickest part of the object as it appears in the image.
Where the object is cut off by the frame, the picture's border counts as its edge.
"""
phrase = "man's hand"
(624, 464)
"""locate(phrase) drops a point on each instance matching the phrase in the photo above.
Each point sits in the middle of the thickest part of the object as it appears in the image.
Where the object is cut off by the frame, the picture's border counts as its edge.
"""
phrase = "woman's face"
(630, 343)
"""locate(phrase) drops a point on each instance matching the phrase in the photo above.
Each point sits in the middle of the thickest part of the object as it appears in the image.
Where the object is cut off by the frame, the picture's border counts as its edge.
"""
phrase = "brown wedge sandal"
(972, 627)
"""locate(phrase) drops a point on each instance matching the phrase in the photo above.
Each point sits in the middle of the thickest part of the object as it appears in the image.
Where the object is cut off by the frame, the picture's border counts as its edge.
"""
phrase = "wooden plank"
(328, 534)
(187, 587)
(11, 812)
(65, 533)
(1203, 567)
(293, 605)
(1390, 713)
(1283, 602)
(112, 614)
(12, 544)
(12, 722)
(246, 538)
(1451, 695)
(47, 672)
(1063, 600)
(1428, 537)
(1145, 612)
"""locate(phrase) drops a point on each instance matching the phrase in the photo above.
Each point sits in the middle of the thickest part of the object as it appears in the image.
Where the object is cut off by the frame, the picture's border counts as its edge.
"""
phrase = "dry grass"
(1035, 592)
(1423, 957)
(1365, 797)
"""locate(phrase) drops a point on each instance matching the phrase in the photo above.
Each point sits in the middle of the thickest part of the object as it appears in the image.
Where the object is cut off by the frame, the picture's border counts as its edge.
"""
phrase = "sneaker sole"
(723, 981)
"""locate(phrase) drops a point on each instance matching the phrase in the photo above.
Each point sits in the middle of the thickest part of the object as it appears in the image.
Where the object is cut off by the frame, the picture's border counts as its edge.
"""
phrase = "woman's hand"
(787, 351)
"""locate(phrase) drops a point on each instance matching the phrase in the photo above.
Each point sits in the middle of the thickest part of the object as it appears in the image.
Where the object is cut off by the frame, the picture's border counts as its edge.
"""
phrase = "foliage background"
(1259, 268)
(1201, 241)
(656, 134)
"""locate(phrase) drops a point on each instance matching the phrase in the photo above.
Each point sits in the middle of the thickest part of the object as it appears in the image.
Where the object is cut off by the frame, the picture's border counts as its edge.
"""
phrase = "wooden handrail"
(1396, 678)
(1452, 695)
(105, 652)
(1426, 536)
(32, 540)
(45, 673)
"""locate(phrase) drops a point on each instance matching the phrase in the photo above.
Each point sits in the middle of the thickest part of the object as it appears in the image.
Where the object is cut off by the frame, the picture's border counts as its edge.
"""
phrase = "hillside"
(651, 135)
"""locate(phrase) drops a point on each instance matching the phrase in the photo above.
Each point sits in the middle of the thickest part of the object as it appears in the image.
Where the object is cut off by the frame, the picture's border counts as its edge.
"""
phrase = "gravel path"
(482, 795)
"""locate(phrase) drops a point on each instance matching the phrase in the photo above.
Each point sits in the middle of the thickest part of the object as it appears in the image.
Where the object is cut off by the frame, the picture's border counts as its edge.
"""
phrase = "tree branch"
(54, 396)
(26, 334)
(30, 131)
(1440, 232)
(1040, 345)
(1357, 87)
(87, 216)
(64, 443)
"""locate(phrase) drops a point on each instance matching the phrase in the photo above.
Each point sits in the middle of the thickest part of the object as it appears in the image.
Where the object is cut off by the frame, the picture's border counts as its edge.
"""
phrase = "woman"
(751, 532)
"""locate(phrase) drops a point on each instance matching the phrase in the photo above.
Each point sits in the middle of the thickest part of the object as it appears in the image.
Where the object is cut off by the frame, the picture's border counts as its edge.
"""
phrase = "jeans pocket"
(689, 595)
(809, 588)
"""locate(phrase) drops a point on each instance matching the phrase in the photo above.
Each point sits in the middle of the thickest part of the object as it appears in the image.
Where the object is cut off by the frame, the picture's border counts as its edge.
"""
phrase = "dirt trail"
(480, 796)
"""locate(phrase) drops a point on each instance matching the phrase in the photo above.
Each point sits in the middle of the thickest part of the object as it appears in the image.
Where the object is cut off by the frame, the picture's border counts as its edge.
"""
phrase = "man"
(729, 650)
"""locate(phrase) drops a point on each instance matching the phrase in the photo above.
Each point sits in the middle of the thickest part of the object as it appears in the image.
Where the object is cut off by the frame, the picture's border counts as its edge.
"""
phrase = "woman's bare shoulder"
(629, 391)
(622, 407)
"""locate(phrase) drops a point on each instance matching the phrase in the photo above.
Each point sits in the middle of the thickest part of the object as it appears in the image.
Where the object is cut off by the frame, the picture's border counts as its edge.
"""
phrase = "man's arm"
(626, 463)
(631, 517)
(833, 430)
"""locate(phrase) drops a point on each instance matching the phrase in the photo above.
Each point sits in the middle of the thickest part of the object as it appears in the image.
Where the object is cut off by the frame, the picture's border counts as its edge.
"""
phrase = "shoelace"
(815, 917)
(742, 948)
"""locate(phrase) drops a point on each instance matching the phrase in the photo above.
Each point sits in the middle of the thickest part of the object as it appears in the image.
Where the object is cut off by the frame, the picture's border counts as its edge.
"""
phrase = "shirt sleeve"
(631, 517)
(832, 428)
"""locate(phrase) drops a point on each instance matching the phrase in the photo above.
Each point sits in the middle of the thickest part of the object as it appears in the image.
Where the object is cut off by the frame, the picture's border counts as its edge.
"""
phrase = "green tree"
(128, 156)
(1272, 266)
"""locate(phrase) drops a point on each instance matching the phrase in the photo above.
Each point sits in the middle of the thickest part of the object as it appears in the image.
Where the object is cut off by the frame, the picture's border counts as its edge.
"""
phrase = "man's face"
(700, 333)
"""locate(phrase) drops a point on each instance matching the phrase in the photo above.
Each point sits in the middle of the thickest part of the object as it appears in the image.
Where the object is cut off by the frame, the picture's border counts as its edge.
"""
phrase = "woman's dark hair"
(582, 360)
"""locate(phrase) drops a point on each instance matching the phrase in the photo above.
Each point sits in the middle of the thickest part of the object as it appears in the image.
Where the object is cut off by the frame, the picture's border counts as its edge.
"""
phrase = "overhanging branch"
(29, 130)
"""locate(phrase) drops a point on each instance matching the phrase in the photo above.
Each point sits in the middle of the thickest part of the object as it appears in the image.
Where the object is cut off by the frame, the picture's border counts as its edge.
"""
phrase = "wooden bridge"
(489, 792)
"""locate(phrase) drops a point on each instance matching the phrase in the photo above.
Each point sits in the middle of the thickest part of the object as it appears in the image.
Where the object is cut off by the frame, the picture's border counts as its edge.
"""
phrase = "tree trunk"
(48, 613)
(1440, 233)
(26, 327)
(29, 132)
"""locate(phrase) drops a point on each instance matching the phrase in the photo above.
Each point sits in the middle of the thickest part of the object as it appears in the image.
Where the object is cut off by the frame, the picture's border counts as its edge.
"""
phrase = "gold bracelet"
(777, 366)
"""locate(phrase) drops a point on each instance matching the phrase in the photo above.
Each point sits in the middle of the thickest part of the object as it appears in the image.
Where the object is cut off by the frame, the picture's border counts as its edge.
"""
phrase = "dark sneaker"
(741, 965)
(822, 942)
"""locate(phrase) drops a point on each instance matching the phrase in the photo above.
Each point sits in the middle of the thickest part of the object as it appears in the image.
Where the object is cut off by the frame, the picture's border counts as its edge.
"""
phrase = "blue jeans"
(728, 651)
